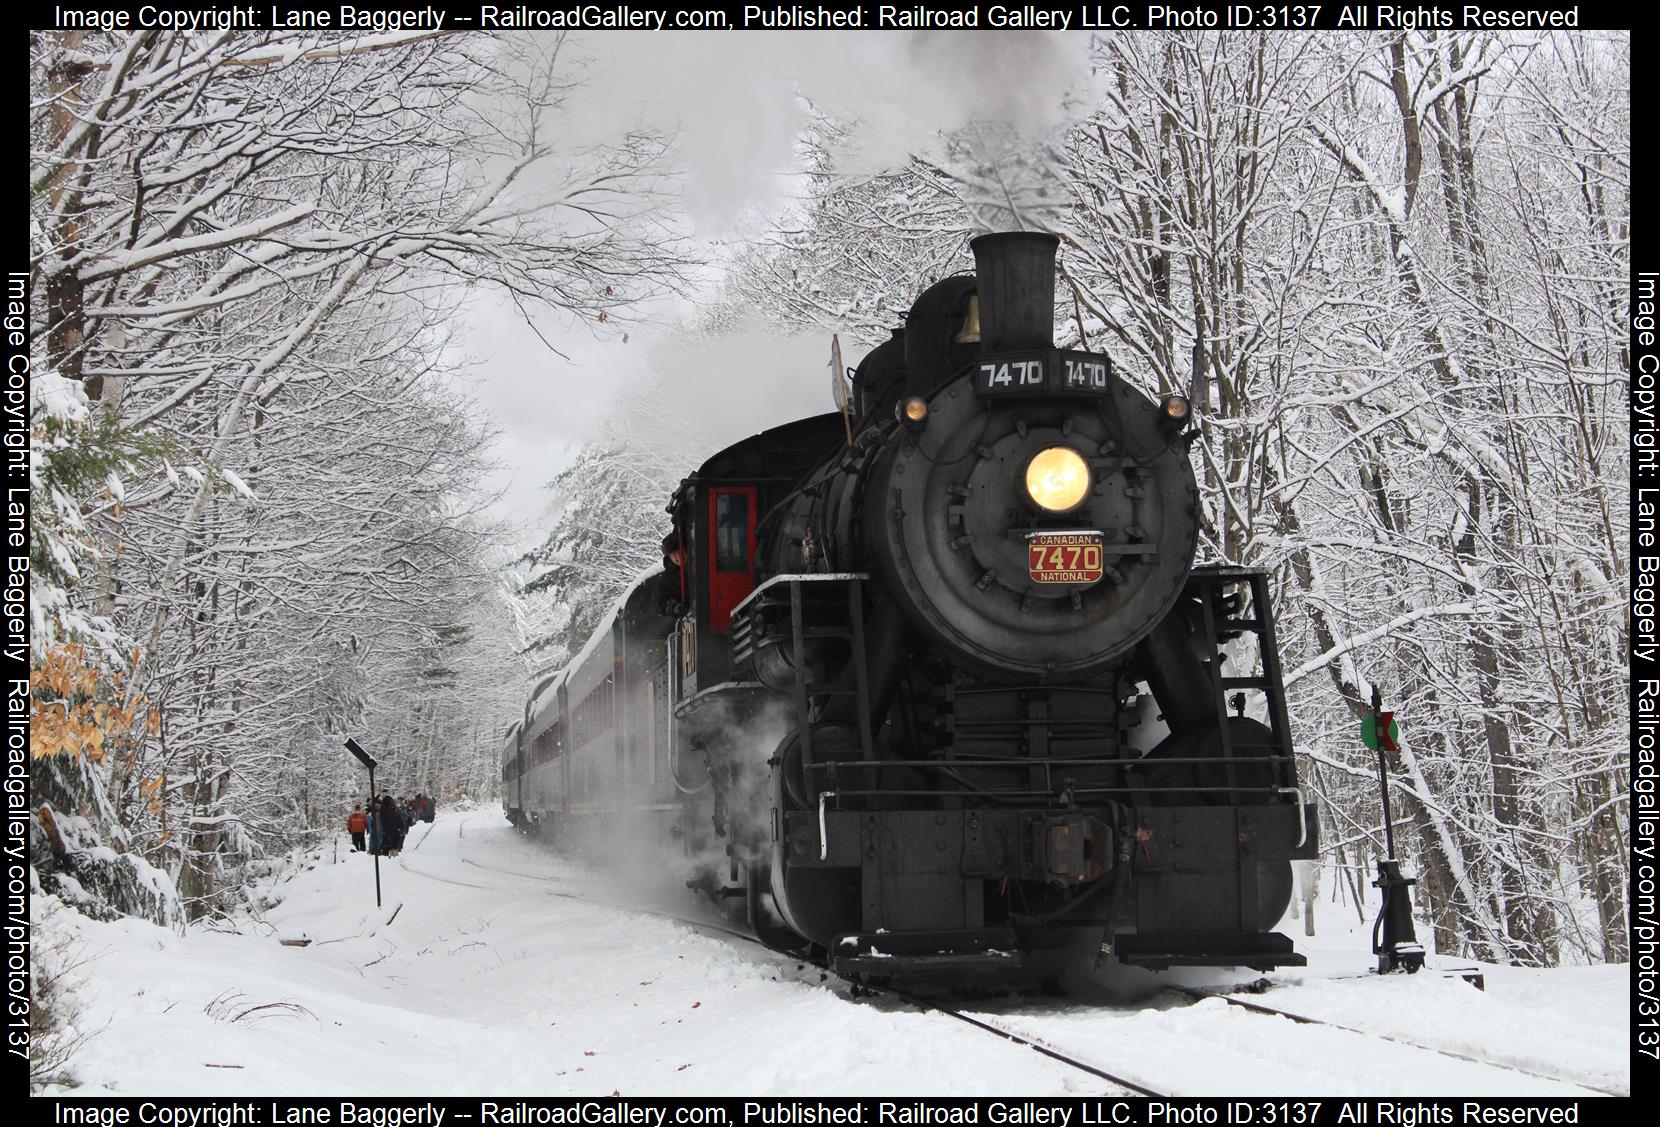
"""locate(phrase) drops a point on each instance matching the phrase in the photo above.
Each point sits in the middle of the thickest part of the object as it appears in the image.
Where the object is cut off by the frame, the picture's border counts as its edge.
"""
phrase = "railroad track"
(1030, 1040)
(1407, 1051)
(1043, 1043)
(1019, 1037)
(1304, 1019)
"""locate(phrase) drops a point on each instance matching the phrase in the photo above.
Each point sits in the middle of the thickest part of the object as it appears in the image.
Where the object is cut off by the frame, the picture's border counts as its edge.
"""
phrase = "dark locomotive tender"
(951, 697)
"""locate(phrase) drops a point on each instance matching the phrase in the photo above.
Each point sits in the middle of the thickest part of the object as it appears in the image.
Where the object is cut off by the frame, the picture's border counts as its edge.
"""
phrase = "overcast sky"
(735, 103)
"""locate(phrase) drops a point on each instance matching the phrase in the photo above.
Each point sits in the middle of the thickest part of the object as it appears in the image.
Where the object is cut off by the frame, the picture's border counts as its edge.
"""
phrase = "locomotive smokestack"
(1016, 271)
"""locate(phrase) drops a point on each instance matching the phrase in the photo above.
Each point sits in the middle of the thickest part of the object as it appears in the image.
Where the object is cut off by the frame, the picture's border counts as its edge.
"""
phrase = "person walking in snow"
(357, 824)
(392, 826)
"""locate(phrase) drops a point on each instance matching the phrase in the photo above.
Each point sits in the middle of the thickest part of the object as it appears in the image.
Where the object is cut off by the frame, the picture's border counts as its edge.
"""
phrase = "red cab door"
(731, 551)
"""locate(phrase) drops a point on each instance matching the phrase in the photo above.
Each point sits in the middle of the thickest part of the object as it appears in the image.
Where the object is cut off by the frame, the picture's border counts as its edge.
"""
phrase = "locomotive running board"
(915, 953)
(1161, 950)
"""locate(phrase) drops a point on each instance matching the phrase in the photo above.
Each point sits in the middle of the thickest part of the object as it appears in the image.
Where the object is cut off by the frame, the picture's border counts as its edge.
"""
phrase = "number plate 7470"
(1064, 557)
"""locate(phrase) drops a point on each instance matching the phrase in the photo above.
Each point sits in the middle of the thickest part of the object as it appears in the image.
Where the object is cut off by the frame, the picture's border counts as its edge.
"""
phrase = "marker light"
(1175, 409)
(1057, 479)
(913, 412)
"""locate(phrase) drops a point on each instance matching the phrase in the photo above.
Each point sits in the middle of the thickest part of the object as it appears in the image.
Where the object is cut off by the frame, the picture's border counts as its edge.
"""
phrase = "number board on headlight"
(1064, 557)
(1055, 372)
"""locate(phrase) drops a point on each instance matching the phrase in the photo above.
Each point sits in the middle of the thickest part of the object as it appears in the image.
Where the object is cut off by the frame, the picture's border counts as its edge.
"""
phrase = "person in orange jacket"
(357, 824)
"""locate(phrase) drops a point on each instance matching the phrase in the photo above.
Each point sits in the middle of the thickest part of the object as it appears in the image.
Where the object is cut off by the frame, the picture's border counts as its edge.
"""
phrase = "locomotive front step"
(914, 954)
(1263, 951)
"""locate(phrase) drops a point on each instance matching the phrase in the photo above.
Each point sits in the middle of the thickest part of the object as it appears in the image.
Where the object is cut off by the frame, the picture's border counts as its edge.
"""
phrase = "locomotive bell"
(970, 332)
(937, 342)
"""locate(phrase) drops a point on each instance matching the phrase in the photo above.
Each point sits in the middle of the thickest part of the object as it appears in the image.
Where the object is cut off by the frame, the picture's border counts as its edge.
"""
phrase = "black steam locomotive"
(933, 686)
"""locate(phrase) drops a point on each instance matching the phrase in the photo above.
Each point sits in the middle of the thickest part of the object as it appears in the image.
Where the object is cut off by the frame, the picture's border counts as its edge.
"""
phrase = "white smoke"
(655, 859)
(737, 104)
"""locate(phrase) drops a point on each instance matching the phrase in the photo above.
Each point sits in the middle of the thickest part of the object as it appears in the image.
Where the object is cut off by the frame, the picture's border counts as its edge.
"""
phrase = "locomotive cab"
(717, 516)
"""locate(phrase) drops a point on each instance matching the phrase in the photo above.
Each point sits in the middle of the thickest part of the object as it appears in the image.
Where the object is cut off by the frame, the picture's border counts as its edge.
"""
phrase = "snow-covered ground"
(486, 973)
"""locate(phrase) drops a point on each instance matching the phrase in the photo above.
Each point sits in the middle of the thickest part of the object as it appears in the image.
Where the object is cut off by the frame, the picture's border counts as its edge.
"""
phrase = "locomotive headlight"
(1057, 479)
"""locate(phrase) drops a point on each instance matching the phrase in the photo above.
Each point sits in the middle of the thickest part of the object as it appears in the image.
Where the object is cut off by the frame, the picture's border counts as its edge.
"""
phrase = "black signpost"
(368, 761)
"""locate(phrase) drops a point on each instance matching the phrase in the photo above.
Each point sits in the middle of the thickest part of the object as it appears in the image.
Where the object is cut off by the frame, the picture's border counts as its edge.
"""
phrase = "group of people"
(418, 808)
(380, 830)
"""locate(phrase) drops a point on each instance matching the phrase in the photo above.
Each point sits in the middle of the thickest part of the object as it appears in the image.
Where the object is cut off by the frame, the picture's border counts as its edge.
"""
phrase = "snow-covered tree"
(249, 246)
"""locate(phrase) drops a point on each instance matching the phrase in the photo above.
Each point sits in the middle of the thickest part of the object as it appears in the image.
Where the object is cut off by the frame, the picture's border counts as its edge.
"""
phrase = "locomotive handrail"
(823, 837)
(993, 690)
(1050, 761)
(801, 577)
(1006, 792)
(684, 705)
(1088, 724)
